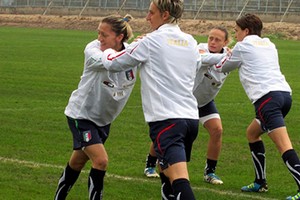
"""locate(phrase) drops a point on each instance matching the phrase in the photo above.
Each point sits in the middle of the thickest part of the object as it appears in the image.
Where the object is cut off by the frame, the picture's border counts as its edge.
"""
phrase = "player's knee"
(100, 163)
(251, 137)
(216, 132)
(77, 165)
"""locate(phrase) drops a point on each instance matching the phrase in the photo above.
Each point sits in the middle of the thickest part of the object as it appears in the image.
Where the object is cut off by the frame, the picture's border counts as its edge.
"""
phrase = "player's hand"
(139, 37)
(229, 51)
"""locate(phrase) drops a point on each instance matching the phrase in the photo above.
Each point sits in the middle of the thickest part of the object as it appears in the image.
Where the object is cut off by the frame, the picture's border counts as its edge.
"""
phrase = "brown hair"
(120, 25)
(251, 22)
(224, 30)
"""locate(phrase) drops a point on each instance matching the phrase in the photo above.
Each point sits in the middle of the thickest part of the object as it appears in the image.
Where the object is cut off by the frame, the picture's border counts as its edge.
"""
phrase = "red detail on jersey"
(160, 133)
(110, 58)
(260, 107)
(133, 49)
(222, 63)
(116, 56)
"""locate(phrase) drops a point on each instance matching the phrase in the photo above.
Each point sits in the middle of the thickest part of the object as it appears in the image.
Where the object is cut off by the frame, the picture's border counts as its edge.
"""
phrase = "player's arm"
(93, 56)
(208, 59)
(230, 62)
(133, 55)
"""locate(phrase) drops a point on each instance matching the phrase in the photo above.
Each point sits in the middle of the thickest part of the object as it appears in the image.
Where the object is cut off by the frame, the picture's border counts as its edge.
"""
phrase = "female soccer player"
(207, 85)
(100, 97)
(169, 60)
(266, 87)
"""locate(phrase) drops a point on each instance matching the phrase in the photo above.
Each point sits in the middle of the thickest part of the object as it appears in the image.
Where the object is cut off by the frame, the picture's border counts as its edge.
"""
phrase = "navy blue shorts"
(86, 133)
(208, 111)
(173, 139)
(272, 108)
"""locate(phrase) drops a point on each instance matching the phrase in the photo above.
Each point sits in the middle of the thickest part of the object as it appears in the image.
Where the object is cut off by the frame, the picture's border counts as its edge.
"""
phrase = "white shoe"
(150, 172)
(212, 178)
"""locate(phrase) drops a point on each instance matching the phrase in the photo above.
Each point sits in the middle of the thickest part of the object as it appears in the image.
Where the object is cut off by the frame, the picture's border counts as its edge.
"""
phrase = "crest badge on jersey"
(87, 136)
(129, 75)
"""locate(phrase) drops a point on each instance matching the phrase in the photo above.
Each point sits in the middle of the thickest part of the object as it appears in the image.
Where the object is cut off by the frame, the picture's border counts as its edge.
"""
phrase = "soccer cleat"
(296, 197)
(212, 178)
(255, 187)
(150, 172)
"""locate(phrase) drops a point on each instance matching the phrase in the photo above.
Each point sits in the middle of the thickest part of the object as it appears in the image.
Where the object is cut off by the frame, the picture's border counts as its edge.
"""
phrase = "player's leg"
(210, 118)
(99, 158)
(257, 150)
(179, 179)
(75, 164)
(156, 127)
(70, 174)
(270, 111)
(215, 130)
(151, 162)
(94, 149)
(282, 141)
(174, 151)
(290, 158)
(167, 192)
(91, 138)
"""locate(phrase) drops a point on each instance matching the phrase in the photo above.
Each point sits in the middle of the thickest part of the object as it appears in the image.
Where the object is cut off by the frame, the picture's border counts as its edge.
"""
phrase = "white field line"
(44, 165)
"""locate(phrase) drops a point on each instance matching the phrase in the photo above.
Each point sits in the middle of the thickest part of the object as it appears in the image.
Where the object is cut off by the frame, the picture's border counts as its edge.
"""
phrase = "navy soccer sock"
(95, 183)
(182, 189)
(259, 161)
(166, 188)
(65, 183)
(210, 166)
(291, 160)
(151, 161)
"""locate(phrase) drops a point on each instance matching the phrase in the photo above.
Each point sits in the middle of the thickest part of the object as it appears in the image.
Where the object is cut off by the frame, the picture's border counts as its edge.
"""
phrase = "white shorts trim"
(267, 131)
(208, 117)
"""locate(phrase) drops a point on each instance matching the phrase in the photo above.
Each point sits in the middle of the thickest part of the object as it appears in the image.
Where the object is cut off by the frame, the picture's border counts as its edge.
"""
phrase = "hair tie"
(125, 19)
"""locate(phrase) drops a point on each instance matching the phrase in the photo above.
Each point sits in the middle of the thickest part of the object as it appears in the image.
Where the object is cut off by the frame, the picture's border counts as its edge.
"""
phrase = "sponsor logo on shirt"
(109, 84)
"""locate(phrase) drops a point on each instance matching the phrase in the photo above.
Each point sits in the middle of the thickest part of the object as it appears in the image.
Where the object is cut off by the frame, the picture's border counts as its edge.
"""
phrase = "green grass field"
(39, 68)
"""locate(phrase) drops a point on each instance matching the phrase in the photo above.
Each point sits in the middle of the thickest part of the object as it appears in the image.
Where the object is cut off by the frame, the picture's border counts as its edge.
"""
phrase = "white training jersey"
(169, 60)
(208, 81)
(101, 95)
(259, 70)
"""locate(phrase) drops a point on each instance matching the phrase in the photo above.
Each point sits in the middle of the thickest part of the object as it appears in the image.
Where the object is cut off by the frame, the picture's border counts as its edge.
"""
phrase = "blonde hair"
(174, 7)
(120, 25)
